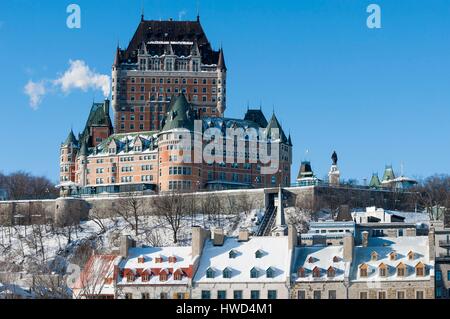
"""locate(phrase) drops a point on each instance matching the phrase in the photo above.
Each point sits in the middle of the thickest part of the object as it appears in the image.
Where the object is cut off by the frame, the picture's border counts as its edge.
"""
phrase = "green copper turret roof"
(180, 115)
(83, 150)
(98, 116)
(388, 173)
(375, 181)
(71, 139)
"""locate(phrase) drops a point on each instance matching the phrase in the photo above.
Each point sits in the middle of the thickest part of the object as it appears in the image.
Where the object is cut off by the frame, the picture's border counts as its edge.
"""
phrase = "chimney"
(432, 243)
(106, 107)
(243, 235)
(125, 244)
(411, 232)
(199, 235)
(292, 237)
(349, 244)
(219, 237)
(365, 238)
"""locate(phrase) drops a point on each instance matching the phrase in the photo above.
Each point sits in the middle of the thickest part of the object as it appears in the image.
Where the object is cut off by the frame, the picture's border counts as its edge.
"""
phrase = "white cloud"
(80, 76)
(77, 76)
(181, 14)
(36, 92)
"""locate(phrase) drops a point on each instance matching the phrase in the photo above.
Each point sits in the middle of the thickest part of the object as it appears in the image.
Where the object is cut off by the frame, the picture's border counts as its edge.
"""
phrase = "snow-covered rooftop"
(273, 253)
(320, 258)
(402, 247)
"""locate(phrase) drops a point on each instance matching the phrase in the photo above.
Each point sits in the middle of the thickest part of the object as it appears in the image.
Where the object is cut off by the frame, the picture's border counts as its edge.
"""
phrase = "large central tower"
(165, 59)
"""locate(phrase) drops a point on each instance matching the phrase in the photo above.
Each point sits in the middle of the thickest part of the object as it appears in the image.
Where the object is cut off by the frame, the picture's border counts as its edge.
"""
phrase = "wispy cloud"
(36, 92)
(79, 76)
(181, 14)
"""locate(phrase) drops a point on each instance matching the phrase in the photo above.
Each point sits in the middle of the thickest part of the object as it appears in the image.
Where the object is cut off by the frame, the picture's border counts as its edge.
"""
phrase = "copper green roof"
(98, 116)
(375, 181)
(388, 174)
(180, 115)
(71, 139)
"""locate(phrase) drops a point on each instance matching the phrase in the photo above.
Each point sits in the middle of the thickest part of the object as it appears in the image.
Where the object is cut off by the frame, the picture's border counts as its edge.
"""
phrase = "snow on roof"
(275, 255)
(173, 258)
(322, 257)
(383, 247)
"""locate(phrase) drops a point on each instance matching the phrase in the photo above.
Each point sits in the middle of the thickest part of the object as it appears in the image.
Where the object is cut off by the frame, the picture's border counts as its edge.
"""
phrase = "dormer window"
(210, 273)
(420, 269)
(178, 275)
(172, 259)
(336, 259)
(227, 273)
(270, 273)
(401, 270)
(259, 254)
(159, 260)
(331, 272)
(311, 260)
(254, 273)
(141, 259)
(130, 276)
(301, 272)
(411, 255)
(393, 255)
(382, 270)
(316, 272)
(163, 275)
(374, 256)
(145, 277)
(232, 254)
(363, 270)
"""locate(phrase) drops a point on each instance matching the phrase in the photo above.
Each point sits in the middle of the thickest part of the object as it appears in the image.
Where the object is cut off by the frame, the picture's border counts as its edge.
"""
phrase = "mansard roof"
(182, 35)
(256, 116)
(125, 142)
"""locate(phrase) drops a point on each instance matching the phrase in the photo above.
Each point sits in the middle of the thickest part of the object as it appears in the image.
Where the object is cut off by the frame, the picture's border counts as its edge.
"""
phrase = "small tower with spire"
(334, 175)
(280, 228)
(221, 83)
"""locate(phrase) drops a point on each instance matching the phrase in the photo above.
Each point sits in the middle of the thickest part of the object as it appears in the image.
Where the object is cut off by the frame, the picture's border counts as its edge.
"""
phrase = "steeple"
(221, 62)
(375, 181)
(274, 124)
(83, 149)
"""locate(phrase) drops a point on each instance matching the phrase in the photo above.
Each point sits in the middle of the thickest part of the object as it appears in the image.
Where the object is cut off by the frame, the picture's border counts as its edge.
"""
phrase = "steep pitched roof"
(221, 61)
(71, 139)
(180, 115)
(256, 116)
(388, 173)
(98, 116)
(274, 124)
(375, 181)
(183, 35)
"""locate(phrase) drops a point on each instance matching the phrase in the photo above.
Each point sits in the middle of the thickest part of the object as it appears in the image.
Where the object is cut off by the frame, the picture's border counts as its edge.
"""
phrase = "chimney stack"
(432, 243)
(199, 235)
(365, 238)
(349, 244)
(126, 242)
(219, 237)
(292, 237)
(243, 235)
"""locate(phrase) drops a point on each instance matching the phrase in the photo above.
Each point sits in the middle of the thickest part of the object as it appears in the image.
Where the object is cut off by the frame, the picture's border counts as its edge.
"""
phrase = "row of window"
(169, 89)
(238, 294)
(180, 170)
(170, 80)
(180, 185)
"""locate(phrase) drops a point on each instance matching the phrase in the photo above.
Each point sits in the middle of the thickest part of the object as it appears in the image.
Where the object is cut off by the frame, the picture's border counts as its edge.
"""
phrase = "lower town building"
(442, 239)
(243, 268)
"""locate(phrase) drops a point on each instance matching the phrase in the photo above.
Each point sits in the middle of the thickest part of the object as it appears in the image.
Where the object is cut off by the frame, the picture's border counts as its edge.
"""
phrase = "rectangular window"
(448, 275)
(301, 294)
(363, 295)
(206, 294)
(128, 296)
(419, 294)
(438, 275)
(272, 294)
(222, 294)
(332, 294)
(382, 295)
(237, 294)
(254, 294)
(145, 295)
(400, 295)
(317, 294)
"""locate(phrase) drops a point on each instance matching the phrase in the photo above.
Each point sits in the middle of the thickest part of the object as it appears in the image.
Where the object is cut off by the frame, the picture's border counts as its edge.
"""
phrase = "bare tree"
(130, 208)
(171, 209)
(433, 195)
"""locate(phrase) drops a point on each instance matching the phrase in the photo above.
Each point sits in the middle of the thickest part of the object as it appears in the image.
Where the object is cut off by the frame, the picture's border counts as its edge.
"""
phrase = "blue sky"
(375, 96)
